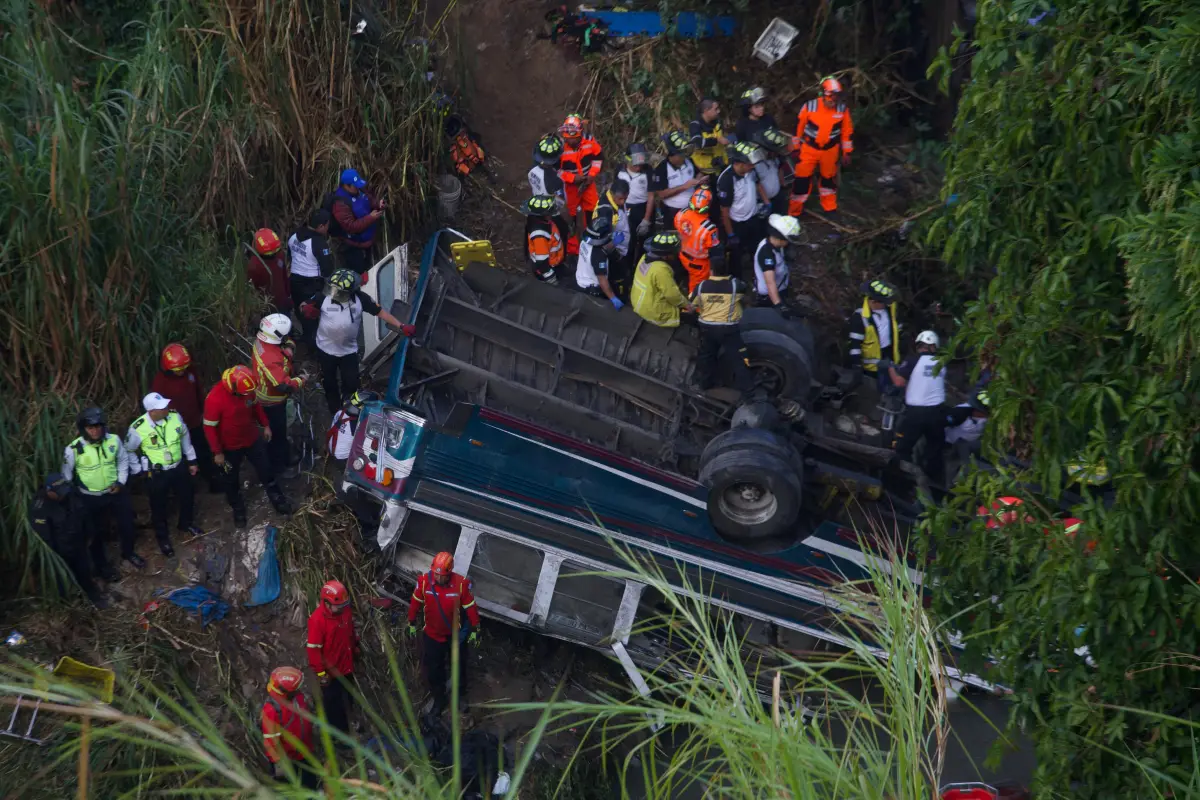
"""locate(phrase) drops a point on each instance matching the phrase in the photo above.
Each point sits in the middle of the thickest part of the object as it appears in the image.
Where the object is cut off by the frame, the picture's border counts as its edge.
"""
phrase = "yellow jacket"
(655, 296)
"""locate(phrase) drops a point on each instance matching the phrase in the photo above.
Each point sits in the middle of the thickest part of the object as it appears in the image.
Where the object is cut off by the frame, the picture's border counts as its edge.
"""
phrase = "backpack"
(335, 230)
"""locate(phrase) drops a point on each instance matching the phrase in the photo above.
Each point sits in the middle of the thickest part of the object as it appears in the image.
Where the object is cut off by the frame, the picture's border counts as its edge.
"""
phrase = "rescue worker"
(718, 302)
(176, 380)
(237, 431)
(825, 131)
(342, 312)
(673, 180)
(612, 207)
(273, 353)
(287, 726)
(579, 166)
(444, 596)
(543, 175)
(640, 201)
(775, 171)
(924, 384)
(771, 271)
(755, 118)
(655, 296)
(739, 196)
(591, 271)
(312, 264)
(466, 149)
(340, 437)
(357, 215)
(268, 271)
(545, 236)
(158, 443)
(707, 138)
(98, 465)
(332, 648)
(874, 329)
(50, 518)
(965, 423)
(698, 236)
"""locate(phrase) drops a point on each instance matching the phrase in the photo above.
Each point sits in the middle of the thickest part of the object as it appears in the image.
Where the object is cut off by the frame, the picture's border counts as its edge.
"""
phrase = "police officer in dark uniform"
(50, 518)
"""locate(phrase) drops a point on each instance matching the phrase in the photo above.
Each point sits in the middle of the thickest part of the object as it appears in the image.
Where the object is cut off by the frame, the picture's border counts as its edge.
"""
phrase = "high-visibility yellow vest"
(162, 444)
(871, 349)
(96, 463)
(703, 157)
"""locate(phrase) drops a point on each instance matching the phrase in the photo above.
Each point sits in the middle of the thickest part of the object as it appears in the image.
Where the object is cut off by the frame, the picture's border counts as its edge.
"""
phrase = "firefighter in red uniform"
(286, 726)
(824, 131)
(579, 166)
(445, 596)
(332, 648)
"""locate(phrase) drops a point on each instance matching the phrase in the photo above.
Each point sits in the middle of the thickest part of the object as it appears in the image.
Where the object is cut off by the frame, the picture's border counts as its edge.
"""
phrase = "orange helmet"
(175, 357)
(286, 680)
(443, 564)
(830, 86)
(701, 199)
(334, 593)
(572, 127)
(240, 380)
(266, 242)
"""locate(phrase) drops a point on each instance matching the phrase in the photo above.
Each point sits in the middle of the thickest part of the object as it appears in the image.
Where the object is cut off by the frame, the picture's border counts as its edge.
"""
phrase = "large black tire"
(758, 318)
(781, 364)
(752, 494)
(751, 439)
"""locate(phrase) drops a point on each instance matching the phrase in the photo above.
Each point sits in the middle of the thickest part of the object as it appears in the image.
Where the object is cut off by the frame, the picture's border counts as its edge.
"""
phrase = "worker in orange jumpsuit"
(824, 132)
(444, 596)
(287, 726)
(579, 166)
(698, 237)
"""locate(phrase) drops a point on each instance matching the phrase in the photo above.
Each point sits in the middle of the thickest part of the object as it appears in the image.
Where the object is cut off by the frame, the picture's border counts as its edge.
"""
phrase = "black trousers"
(204, 461)
(669, 215)
(93, 513)
(637, 213)
(308, 778)
(723, 343)
(258, 457)
(355, 259)
(162, 483)
(749, 233)
(277, 448)
(435, 658)
(71, 545)
(306, 288)
(338, 701)
(928, 423)
(339, 378)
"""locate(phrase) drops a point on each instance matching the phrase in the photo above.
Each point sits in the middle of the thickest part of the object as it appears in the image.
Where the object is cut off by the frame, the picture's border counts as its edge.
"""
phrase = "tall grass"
(131, 178)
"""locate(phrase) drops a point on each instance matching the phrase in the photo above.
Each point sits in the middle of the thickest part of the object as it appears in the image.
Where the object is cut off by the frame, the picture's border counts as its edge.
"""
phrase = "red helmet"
(334, 593)
(266, 242)
(175, 357)
(240, 380)
(572, 127)
(286, 679)
(701, 199)
(830, 86)
(443, 564)
(1002, 512)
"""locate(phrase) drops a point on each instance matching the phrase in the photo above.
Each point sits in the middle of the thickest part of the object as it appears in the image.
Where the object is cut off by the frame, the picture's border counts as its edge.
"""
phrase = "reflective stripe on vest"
(872, 351)
(162, 444)
(96, 464)
(703, 156)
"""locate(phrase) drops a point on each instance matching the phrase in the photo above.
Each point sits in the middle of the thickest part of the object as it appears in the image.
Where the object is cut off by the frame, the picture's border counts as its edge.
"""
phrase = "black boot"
(281, 504)
(239, 516)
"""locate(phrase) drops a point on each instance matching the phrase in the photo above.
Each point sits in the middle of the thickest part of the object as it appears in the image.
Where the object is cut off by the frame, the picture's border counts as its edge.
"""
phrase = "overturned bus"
(534, 432)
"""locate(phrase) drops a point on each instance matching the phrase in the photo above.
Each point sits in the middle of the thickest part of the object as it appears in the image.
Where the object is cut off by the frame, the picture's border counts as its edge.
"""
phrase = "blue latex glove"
(619, 238)
(616, 302)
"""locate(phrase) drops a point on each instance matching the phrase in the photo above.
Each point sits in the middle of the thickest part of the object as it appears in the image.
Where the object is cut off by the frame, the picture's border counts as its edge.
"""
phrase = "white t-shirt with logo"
(738, 193)
(927, 384)
(639, 186)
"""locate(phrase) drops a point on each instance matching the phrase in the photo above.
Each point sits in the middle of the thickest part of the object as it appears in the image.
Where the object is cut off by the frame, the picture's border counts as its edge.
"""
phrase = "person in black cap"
(50, 518)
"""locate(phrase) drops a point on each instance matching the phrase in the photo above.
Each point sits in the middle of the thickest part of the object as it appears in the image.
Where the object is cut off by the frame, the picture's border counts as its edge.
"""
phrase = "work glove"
(784, 310)
(277, 769)
(363, 278)
(731, 241)
(643, 228)
(619, 238)
(616, 302)
(408, 330)
(763, 209)
(412, 629)
(473, 639)
(845, 159)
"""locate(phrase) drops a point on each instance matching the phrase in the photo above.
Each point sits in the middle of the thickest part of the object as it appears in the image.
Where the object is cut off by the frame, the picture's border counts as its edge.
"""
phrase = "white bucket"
(449, 196)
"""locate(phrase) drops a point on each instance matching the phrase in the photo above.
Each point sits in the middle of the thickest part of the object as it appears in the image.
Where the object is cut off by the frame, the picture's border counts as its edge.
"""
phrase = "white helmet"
(274, 327)
(785, 227)
(929, 337)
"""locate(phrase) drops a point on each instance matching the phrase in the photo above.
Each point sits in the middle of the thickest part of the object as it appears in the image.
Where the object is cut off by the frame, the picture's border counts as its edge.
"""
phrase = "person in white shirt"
(543, 175)
(924, 384)
(965, 423)
(640, 202)
(340, 437)
(591, 271)
(771, 272)
(674, 178)
(739, 197)
(312, 264)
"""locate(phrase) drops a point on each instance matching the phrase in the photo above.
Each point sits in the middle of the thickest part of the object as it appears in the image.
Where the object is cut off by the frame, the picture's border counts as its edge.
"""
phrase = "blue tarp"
(207, 604)
(688, 24)
(266, 589)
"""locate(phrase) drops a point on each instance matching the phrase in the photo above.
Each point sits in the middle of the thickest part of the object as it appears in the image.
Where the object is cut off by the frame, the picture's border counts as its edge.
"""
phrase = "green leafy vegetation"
(1074, 158)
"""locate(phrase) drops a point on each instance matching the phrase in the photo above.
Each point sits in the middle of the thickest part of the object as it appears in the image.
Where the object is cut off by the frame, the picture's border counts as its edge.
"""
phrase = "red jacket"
(332, 642)
(274, 368)
(284, 728)
(231, 422)
(269, 274)
(452, 598)
(184, 393)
